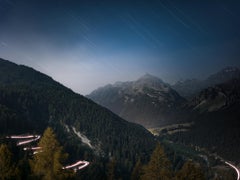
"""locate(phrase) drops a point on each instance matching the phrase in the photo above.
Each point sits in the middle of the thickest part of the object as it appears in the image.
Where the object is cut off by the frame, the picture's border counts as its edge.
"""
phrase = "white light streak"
(28, 141)
(31, 148)
(76, 166)
(79, 165)
(235, 168)
(23, 137)
(35, 152)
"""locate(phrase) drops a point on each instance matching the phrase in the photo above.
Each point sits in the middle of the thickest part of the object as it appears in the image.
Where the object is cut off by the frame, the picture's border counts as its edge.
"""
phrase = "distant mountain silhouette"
(211, 116)
(148, 101)
(190, 87)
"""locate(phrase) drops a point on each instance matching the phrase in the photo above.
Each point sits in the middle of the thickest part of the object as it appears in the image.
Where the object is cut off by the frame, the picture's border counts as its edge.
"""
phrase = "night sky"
(87, 44)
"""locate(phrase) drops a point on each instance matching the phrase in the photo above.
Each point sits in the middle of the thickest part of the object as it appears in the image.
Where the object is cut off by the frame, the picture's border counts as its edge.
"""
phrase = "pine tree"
(48, 163)
(7, 169)
(190, 171)
(159, 167)
(111, 169)
(137, 171)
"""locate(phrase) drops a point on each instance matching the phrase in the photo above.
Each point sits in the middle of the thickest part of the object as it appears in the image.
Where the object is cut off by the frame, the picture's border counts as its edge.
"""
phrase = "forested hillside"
(30, 101)
(215, 113)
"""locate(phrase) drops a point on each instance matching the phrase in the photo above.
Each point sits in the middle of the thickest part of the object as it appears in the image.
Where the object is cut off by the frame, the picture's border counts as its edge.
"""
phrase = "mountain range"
(208, 119)
(151, 102)
(147, 101)
(191, 87)
(31, 101)
(215, 113)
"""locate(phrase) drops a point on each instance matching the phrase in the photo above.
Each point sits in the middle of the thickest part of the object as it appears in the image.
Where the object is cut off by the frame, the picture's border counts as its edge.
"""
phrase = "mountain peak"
(223, 75)
(227, 70)
(145, 101)
(148, 76)
(230, 69)
(149, 80)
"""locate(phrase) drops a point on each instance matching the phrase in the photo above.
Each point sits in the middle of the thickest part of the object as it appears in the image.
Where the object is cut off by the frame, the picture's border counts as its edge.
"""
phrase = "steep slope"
(215, 112)
(190, 88)
(217, 98)
(30, 101)
(148, 101)
(223, 75)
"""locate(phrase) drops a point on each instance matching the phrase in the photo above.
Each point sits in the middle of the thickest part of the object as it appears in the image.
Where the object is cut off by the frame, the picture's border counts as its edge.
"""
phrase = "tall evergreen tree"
(48, 163)
(111, 169)
(159, 167)
(190, 171)
(137, 171)
(7, 169)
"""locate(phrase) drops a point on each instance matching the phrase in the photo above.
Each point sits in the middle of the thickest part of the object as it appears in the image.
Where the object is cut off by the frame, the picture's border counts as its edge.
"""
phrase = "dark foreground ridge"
(31, 101)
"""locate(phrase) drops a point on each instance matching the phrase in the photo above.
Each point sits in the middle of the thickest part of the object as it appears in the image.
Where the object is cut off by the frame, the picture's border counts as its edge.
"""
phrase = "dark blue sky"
(86, 44)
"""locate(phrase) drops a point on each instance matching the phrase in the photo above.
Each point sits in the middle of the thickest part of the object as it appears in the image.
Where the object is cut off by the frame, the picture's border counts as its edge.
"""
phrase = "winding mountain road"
(76, 166)
(235, 168)
(31, 138)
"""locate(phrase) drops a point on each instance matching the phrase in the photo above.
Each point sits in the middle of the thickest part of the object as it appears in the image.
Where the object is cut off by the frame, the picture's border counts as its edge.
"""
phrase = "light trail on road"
(31, 138)
(22, 137)
(35, 152)
(31, 148)
(28, 141)
(235, 168)
(76, 166)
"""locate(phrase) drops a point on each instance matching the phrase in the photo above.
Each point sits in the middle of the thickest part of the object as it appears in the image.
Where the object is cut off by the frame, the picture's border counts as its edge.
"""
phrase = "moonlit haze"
(86, 44)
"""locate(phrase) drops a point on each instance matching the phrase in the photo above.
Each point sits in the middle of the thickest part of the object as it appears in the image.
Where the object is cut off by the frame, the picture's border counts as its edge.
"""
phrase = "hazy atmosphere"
(87, 44)
(120, 89)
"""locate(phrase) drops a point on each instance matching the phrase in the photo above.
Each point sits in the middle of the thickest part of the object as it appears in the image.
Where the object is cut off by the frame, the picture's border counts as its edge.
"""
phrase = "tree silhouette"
(111, 169)
(190, 171)
(137, 171)
(7, 169)
(159, 167)
(47, 164)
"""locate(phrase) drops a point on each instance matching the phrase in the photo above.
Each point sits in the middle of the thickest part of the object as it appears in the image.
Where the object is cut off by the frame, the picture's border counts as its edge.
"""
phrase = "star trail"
(86, 44)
